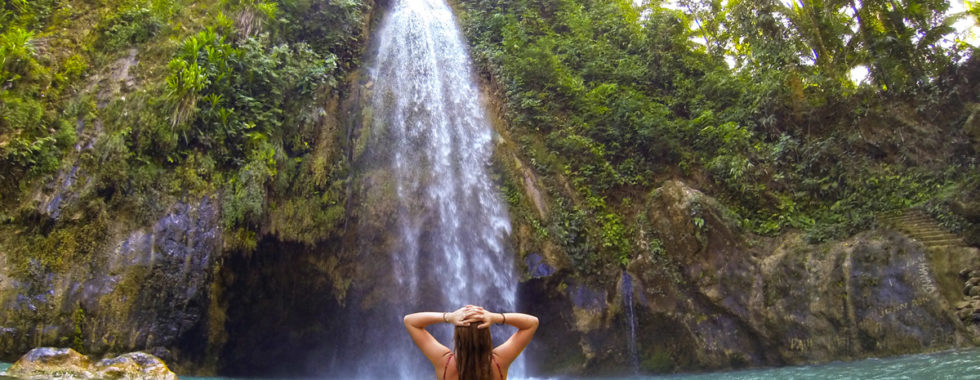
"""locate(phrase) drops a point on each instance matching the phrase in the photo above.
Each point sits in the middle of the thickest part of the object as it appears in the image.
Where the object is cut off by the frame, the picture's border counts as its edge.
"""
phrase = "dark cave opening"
(282, 312)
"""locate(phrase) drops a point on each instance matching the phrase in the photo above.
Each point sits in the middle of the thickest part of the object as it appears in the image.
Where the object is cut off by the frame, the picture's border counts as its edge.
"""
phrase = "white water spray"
(431, 125)
(631, 319)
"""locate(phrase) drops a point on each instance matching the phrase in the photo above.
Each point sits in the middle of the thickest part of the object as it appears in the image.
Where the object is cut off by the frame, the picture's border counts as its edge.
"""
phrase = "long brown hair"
(473, 348)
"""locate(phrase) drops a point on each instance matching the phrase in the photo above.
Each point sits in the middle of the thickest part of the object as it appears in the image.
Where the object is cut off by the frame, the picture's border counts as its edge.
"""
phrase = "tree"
(900, 40)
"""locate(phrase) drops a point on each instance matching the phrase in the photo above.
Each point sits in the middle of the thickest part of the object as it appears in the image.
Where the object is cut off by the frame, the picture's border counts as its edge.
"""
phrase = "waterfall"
(631, 319)
(431, 142)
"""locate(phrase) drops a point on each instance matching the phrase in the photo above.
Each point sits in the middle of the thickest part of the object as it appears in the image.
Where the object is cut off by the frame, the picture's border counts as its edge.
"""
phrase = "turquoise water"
(963, 364)
(949, 365)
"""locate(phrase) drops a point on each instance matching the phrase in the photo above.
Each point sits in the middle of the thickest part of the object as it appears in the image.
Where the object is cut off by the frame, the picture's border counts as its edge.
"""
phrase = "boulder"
(47, 362)
(134, 365)
(66, 363)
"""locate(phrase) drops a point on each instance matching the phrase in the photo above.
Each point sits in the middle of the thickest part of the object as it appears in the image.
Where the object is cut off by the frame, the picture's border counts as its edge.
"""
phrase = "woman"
(474, 357)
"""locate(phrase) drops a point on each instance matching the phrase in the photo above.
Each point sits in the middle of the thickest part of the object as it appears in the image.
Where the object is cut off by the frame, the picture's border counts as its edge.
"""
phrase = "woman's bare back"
(450, 372)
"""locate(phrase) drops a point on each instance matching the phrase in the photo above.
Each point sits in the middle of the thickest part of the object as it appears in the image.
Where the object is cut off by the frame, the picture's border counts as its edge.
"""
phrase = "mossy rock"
(658, 361)
(134, 365)
(47, 362)
(66, 363)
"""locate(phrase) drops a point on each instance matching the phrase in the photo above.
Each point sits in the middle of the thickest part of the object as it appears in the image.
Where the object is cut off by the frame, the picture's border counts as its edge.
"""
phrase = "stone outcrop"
(967, 207)
(148, 291)
(66, 363)
(968, 309)
(714, 297)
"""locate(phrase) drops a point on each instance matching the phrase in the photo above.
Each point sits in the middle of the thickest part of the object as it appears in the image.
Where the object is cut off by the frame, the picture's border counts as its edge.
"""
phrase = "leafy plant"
(132, 26)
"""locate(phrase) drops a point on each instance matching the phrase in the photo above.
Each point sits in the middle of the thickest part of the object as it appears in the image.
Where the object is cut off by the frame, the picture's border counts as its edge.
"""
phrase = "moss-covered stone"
(66, 363)
(141, 289)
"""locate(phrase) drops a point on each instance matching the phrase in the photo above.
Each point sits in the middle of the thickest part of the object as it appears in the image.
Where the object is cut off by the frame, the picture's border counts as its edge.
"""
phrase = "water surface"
(948, 365)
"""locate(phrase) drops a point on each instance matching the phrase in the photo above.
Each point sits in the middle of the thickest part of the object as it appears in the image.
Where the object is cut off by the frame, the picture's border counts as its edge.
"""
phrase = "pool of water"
(960, 364)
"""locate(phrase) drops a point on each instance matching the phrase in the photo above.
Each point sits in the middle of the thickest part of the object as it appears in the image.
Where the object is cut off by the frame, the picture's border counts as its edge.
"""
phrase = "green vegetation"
(151, 101)
(658, 362)
(134, 24)
(27, 146)
(749, 100)
(78, 318)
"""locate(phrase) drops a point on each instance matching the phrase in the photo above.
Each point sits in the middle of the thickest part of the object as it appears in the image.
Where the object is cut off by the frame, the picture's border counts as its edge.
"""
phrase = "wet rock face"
(557, 347)
(66, 363)
(712, 299)
(875, 294)
(149, 291)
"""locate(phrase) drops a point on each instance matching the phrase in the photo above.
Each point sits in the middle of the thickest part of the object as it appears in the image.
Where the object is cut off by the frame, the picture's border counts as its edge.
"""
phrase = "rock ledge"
(66, 363)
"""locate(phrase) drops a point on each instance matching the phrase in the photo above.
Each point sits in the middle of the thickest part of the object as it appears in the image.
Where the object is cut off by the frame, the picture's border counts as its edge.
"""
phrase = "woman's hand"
(481, 315)
(459, 317)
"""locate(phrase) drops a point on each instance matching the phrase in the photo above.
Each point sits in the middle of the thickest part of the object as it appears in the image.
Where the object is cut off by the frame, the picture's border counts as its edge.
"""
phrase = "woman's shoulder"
(449, 368)
(501, 371)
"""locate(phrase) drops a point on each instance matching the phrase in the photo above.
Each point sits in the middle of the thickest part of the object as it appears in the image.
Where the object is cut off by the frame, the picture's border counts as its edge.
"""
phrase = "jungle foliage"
(144, 102)
(751, 100)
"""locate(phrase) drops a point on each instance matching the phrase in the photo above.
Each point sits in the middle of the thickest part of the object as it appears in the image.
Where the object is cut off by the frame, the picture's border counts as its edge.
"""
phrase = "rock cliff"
(148, 289)
(716, 297)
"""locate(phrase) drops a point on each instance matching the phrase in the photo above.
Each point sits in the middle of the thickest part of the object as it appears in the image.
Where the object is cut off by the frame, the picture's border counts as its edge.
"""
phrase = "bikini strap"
(501, 372)
(445, 370)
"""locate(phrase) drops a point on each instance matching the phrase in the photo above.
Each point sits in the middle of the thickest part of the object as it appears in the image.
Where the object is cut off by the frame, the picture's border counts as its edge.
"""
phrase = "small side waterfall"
(631, 319)
(431, 142)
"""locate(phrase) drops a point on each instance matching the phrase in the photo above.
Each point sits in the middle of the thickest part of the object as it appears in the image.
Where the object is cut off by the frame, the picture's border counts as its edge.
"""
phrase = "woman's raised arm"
(415, 323)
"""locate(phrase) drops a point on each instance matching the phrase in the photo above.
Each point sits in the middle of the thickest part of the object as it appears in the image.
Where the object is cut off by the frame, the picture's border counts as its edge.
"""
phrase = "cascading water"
(431, 135)
(631, 319)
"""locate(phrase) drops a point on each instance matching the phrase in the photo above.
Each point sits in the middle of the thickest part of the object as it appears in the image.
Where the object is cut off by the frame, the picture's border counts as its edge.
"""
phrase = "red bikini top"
(446, 368)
